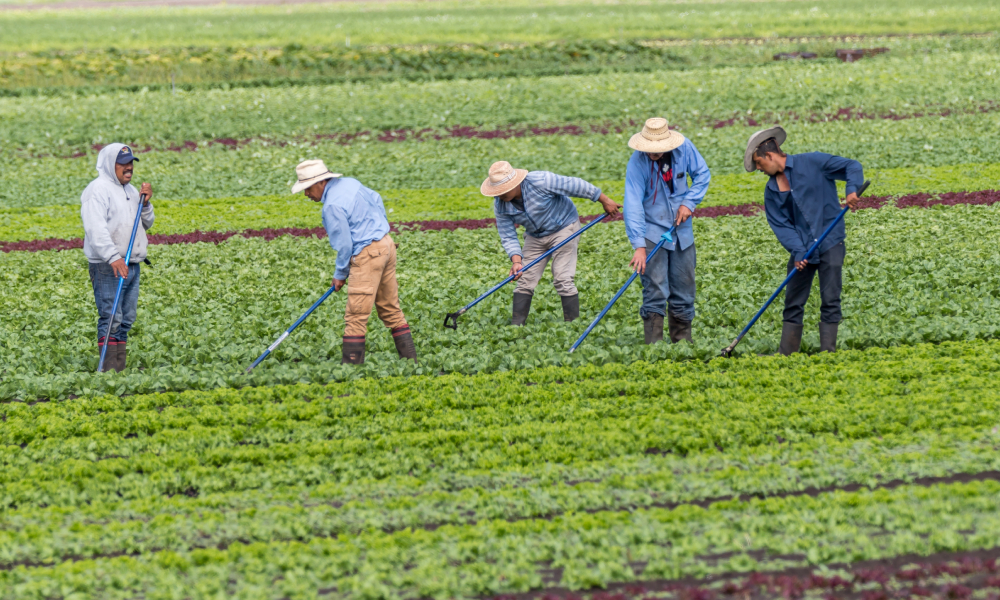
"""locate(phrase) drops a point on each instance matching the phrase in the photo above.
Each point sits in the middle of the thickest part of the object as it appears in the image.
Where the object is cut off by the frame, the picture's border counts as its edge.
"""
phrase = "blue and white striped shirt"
(547, 207)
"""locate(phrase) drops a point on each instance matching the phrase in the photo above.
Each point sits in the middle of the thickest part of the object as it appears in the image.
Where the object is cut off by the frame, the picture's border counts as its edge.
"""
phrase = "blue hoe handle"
(282, 337)
(453, 317)
(121, 282)
(728, 350)
(666, 237)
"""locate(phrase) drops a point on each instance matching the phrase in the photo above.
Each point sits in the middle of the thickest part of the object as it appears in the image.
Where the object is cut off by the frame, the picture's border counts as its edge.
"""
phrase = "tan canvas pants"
(563, 261)
(372, 280)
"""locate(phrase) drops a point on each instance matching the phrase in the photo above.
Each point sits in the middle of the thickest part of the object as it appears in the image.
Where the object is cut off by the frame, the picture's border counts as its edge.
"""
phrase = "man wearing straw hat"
(800, 201)
(657, 197)
(540, 202)
(355, 221)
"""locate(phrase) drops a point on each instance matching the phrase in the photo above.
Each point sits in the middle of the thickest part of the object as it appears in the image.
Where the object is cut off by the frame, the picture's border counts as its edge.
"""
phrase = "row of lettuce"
(207, 311)
(500, 483)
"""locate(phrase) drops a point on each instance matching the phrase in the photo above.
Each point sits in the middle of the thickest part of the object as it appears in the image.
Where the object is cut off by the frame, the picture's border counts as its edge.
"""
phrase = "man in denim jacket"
(800, 201)
(657, 197)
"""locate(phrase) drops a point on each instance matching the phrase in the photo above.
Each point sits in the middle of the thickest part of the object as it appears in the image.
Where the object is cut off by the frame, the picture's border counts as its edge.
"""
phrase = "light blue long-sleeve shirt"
(547, 207)
(650, 208)
(353, 216)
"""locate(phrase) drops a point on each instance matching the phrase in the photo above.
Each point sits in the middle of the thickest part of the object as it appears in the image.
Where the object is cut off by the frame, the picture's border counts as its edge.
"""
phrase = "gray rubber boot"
(828, 337)
(653, 328)
(791, 338)
(522, 304)
(679, 330)
(571, 307)
(120, 355)
(353, 352)
(404, 343)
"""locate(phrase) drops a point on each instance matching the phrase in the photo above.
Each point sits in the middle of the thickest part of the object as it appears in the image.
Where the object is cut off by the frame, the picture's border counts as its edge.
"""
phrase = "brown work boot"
(120, 353)
(679, 330)
(791, 338)
(111, 358)
(828, 337)
(404, 342)
(353, 352)
(571, 307)
(653, 328)
(522, 304)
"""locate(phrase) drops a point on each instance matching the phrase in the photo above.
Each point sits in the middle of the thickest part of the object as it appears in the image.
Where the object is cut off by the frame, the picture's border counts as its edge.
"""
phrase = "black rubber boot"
(353, 351)
(522, 304)
(679, 330)
(828, 337)
(111, 358)
(403, 339)
(791, 338)
(120, 354)
(653, 328)
(571, 307)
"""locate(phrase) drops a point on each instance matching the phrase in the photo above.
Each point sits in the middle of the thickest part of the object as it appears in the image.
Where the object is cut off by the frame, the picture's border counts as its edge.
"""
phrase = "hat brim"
(492, 191)
(777, 132)
(307, 183)
(642, 144)
(119, 160)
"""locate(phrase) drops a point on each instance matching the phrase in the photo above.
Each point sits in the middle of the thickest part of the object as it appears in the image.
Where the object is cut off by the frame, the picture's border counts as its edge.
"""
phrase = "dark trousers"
(830, 267)
(102, 277)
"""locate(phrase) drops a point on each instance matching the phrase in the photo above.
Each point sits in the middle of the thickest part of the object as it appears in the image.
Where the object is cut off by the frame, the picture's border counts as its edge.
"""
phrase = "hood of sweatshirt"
(106, 162)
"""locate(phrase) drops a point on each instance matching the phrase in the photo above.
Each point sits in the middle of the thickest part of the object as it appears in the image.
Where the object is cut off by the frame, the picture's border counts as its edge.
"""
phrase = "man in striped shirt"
(540, 202)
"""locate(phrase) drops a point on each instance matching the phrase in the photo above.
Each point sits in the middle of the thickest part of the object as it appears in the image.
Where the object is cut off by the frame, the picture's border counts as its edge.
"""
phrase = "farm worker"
(800, 201)
(540, 202)
(355, 221)
(657, 197)
(108, 208)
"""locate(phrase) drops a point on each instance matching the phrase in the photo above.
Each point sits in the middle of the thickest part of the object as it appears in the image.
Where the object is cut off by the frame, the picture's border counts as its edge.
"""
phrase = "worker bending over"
(800, 200)
(355, 221)
(540, 202)
(657, 196)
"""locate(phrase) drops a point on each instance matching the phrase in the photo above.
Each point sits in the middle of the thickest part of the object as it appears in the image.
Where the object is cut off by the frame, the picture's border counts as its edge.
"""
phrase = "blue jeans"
(669, 281)
(105, 285)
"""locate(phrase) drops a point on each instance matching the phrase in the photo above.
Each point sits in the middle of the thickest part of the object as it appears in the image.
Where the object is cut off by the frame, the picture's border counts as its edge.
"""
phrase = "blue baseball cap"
(125, 156)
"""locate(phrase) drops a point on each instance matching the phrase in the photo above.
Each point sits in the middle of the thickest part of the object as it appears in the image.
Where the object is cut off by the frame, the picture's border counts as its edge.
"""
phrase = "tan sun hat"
(656, 136)
(503, 178)
(310, 172)
(777, 132)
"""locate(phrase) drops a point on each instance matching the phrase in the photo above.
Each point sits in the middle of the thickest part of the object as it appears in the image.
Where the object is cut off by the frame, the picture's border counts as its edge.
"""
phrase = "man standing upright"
(800, 200)
(657, 197)
(540, 202)
(356, 224)
(108, 209)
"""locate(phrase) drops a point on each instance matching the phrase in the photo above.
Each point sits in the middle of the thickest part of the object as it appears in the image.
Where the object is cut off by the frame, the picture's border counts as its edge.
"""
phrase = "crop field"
(499, 466)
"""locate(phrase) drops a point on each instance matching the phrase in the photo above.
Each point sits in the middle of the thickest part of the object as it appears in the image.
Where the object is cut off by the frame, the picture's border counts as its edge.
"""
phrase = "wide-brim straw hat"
(502, 179)
(310, 172)
(777, 132)
(656, 136)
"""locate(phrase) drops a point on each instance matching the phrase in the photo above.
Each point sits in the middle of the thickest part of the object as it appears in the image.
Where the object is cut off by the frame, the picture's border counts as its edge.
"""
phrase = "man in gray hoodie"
(109, 206)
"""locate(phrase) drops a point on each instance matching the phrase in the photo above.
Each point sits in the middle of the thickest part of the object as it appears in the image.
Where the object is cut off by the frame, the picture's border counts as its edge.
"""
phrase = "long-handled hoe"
(665, 238)
(728, 350)
(282, 337)
(121, 282)
(453, 317)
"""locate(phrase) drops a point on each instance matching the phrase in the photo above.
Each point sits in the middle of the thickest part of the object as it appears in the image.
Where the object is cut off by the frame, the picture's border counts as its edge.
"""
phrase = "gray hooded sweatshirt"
(108, 211)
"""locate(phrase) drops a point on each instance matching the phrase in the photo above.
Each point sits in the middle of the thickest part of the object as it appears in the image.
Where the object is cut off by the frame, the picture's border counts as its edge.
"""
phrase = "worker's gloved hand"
(120, 268)
(609, 205)
(852, 200)
(516, 267)
(337, 284)
(683, 214)
(638, 262)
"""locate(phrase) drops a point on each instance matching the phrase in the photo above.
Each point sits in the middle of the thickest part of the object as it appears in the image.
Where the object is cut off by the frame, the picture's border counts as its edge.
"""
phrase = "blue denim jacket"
(547, 207)
(800, 216)
(650, 211)
(353, 216)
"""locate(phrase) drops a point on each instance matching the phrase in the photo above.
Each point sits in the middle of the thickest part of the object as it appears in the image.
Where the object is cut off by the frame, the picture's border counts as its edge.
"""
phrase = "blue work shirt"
(798, 217)
(547, 207)
(650, 207)
(353, 216)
